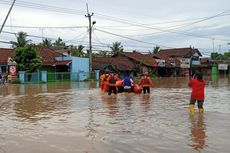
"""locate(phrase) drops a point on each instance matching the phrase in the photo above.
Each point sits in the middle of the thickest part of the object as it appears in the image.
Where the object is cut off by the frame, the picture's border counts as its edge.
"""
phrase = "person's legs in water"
(110, 90)
(148, 90)
(200, 106)
(144, 90)
(114, 89)
(191, 106)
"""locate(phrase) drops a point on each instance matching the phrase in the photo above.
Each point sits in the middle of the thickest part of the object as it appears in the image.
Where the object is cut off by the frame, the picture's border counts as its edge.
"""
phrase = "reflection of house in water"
(37, 107)
(198, 134)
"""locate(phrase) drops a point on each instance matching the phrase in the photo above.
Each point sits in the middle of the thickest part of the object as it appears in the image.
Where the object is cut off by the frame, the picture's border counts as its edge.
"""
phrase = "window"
(3, 69)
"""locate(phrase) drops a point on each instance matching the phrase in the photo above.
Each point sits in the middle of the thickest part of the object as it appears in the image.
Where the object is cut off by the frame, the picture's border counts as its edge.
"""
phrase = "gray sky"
(139, 25)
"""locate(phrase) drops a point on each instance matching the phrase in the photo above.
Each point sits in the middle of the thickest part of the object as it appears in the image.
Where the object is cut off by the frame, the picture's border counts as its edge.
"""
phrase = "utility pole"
(90, 39)
(7, 16)
(213, 45)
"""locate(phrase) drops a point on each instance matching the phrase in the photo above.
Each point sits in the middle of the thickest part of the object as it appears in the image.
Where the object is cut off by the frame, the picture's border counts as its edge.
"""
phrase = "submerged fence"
(43, 76)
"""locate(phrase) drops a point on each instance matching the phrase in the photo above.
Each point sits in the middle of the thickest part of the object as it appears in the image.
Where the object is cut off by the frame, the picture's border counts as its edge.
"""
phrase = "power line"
(130, 38)
(74, 11)
(157, 28)
(45, 7)
(46, 27)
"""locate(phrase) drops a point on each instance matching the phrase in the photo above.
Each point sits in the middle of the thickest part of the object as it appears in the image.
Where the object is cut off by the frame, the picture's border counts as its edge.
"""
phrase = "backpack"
(112, 80)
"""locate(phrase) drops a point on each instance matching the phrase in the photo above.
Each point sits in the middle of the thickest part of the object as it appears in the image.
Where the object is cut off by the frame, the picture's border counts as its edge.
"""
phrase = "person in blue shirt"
(127, 83)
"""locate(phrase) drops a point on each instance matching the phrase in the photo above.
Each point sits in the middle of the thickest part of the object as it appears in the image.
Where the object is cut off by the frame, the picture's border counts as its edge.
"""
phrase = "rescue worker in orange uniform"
(102, 79)
(106, 83)
(112, 79)
(146, 82)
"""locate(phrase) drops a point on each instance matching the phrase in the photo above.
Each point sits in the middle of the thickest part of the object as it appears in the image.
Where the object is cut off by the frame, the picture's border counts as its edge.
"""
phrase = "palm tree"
(155, 50)
(47, 42)
(59, 43)
(21, 40)
(117, 48)
(77, 51)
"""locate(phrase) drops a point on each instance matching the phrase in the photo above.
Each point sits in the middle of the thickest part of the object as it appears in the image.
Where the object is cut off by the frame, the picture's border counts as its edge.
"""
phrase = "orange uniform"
(146, 81)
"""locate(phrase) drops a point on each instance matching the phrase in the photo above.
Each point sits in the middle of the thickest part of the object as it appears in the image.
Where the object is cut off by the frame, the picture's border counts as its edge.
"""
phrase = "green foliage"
(27, 58)
(155, 50)
(21, 40)
(117, 47)
(77, 51)
(47, 42)
(59, 43)
(219, 56)
(104, 53)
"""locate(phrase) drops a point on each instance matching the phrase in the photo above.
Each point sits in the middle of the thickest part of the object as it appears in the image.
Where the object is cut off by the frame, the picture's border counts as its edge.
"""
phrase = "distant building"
(178, 61)
(52, 61)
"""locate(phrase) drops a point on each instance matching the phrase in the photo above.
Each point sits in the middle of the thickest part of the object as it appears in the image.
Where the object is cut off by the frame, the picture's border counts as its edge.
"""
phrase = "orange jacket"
(146, 81)
(115, 78)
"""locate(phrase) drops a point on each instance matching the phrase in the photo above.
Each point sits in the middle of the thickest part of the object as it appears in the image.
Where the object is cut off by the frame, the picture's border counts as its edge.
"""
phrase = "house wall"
(79, 68)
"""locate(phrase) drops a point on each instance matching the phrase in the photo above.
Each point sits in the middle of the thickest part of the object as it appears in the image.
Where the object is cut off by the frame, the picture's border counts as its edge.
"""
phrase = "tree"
(47, 42)
(59, 43)
(21, 40)
(27, 58)
(155, 50)
(117, 48)
(104, 53)
(219, 56)
(77, 51)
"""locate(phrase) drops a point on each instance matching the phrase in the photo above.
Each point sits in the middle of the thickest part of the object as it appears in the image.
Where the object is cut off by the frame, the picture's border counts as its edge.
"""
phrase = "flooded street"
(78, 117)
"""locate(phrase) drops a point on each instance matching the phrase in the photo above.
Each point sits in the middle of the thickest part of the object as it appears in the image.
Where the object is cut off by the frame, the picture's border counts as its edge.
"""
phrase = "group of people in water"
(111, 83)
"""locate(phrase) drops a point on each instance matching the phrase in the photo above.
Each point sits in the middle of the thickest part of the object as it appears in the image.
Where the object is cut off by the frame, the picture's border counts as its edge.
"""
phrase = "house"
(52, 62)
(178, 61)
(142, 62)
(4, 56)
(116, 64)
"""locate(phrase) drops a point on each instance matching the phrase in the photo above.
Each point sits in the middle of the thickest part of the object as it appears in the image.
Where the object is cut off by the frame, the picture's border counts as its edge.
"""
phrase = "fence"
(43, 76)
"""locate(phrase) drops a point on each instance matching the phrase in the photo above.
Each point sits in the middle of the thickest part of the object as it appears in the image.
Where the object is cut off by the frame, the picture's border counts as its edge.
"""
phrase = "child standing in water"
(197, 84)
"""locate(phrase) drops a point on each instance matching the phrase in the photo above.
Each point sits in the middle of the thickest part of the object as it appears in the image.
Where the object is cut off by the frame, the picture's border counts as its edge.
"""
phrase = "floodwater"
(78, 118)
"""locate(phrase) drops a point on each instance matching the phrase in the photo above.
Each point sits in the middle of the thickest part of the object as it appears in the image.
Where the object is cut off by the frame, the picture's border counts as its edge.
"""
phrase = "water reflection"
(90, 125)
(145, 101)
(36, 107)
(198, 131)
(111, 103)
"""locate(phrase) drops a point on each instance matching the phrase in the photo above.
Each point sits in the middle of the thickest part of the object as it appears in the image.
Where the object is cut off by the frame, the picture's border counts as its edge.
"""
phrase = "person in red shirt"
(197, 84)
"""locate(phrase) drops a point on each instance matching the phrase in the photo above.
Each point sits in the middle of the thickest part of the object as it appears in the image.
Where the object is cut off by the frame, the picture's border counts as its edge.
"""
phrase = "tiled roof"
(176, 52)
(121, 63)
(67, 62)
(48, 55)
(147, 59)
(4, 54)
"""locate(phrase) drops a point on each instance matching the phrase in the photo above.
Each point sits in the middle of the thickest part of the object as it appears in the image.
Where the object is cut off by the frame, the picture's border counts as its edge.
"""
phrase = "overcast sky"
(137, 24)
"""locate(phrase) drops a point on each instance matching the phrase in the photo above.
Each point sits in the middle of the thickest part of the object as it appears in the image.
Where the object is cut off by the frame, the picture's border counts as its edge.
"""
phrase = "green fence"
(59, 77)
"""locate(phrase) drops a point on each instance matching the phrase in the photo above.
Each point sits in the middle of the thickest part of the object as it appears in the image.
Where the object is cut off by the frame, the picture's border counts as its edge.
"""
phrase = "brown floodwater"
(74, 117)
